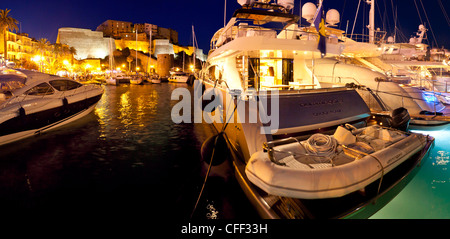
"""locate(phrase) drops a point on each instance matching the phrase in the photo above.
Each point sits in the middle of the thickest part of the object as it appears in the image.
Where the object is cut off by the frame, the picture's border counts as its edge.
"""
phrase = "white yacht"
(180, 77)
(266, 104)
(33, 102)
(392, 74)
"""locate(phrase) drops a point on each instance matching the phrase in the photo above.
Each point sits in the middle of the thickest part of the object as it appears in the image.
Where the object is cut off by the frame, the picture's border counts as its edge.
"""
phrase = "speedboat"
(180, 77)
(33, 102)
(299, 149)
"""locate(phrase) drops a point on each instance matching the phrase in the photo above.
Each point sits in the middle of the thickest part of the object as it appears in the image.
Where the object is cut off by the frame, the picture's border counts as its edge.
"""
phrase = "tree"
(73, 52)
(129, 59)
(42, 46)
(6, 23)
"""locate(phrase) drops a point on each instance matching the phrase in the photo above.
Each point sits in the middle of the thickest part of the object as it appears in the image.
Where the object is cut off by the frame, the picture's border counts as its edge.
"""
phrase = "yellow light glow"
(37, 58)
(66, 62)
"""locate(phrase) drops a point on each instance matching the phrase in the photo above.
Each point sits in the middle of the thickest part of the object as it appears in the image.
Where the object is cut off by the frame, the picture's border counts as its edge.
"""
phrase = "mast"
(371, 25)
(111, 56)
(136, 48)
(193, 46)
(150, 50)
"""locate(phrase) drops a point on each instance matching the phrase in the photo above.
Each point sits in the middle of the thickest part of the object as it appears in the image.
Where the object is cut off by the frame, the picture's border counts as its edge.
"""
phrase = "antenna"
(225, 14)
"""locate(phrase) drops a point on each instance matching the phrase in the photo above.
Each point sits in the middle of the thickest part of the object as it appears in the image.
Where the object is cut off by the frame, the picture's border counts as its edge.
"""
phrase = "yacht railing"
(242, 29)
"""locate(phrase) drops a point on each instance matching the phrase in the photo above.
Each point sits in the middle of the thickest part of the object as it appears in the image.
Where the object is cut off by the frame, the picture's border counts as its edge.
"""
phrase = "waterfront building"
(19, 45)
(128, 40)
(88, 43)
(113, 28)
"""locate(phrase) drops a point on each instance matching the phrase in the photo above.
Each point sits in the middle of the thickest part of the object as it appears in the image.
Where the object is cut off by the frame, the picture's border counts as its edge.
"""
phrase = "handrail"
(239, 30)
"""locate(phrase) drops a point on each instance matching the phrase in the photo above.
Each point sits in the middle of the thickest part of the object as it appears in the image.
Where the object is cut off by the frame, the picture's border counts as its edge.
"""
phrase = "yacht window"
(64, 85)
(275, 72)
(41, 89)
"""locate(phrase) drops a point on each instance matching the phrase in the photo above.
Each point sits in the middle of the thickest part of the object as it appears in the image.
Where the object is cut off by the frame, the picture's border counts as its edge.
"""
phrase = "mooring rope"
(221, 133)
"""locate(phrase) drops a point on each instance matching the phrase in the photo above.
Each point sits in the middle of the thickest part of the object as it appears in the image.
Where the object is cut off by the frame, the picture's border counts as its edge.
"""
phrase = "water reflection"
(428, 194)
(126, 156)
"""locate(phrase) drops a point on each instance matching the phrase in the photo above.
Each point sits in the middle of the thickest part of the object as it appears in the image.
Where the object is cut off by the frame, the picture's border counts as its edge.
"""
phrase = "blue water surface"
(427, 196)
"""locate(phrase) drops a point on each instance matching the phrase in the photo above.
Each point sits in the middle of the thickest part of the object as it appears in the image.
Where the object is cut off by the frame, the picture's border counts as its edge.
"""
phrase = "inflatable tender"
(330, 166)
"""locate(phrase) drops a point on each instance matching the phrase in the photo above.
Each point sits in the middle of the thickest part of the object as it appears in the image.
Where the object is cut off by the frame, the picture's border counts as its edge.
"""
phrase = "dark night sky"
(41, 19)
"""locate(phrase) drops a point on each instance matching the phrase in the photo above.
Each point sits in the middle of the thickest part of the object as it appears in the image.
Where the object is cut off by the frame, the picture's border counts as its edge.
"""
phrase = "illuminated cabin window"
(271, 72)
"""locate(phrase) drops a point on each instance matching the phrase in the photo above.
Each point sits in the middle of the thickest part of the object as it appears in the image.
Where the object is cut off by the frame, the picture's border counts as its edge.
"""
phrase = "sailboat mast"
(136, 48)
(193, 46)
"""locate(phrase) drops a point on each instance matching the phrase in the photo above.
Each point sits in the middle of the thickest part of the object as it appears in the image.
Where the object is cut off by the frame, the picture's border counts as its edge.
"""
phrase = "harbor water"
(129, 157)
(427, 196)
(126, 157)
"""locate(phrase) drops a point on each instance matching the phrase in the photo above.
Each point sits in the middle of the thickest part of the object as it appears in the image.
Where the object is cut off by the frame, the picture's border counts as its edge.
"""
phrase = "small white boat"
(32, 102)
(156, 81)
(331, 166)
(179, 77)
(137, 80)
(111, 81)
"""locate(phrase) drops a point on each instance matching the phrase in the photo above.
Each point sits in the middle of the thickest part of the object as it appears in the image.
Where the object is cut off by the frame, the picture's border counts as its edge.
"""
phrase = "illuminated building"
(113, 28)
(19, 46)
(88, 44)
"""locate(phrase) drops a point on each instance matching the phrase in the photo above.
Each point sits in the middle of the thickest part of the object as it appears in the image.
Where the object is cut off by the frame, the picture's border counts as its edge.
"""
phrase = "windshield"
(10, 86)
(10, 81)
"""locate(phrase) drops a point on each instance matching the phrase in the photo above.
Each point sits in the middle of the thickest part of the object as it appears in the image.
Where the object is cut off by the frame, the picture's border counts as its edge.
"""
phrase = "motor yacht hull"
(41, 102)
(179, 79)
(24, 126)
(270, 92)
(244, 139)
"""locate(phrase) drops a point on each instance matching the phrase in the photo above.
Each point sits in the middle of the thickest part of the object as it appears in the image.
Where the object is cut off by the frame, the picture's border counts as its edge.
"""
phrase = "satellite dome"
(245, 2)
(333, 17)
(308, 11)
(288, 4)
(422, 27)
(390, 39)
